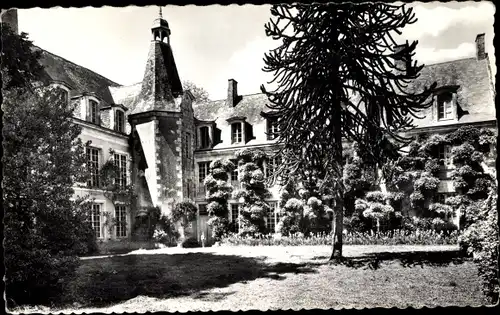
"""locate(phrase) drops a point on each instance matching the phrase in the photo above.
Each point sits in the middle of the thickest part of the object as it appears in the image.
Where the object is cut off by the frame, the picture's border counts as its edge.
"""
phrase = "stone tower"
(162, 129)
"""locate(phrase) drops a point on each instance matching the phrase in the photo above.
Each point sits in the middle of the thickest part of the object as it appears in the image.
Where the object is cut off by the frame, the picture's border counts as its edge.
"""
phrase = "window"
(119, 121)
(236, 133)
(188, 146)
(235, 213)
(445, 106)
(121, 220)
(93, 112)
(93, 167)
(272, 128)
(441, 198)
(272, 165)
(204, 137)
(202, 209)
(120, 161)
(271, 218)
(445, 154)
(95, 219)
(203, 169)
(64, 94)
(234, 172)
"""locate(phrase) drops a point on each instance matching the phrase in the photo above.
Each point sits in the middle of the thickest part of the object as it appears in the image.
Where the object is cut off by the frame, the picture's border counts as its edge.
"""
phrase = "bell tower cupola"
(160, 29)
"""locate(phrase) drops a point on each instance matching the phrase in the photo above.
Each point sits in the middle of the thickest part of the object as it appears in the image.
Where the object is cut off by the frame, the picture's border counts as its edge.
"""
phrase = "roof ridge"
(71, 62)
(442, 62)
(224, 99)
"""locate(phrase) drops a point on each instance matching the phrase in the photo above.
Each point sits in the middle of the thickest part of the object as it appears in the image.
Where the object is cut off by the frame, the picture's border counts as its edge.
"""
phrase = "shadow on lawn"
(406, 259)
(114, 279)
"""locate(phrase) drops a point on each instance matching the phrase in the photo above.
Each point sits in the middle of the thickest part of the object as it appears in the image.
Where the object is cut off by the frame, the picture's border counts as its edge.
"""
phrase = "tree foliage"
(253, 191)
(483, 241)
(42, 160)
(218, 193)
(199, 93)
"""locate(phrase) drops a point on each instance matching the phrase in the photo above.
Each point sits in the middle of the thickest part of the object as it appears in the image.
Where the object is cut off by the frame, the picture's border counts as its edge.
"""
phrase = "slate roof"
(160, 86)
(80, 79)
(249, 106)
(475, 93)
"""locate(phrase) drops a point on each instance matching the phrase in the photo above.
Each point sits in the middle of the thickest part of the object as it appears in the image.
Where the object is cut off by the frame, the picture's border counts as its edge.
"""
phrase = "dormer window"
(241, 130)
(119, 120)
(62, 90)
(204, 137)
(93, 111)
(236, 132)
(445, 106)
(446, 103)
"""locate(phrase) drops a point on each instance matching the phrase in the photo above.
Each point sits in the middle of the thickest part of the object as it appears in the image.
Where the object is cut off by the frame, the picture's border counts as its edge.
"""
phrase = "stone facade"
(168, 140)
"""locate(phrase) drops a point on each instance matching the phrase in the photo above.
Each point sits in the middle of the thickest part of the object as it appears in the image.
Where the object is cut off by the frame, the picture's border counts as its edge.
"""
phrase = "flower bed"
(396, 237)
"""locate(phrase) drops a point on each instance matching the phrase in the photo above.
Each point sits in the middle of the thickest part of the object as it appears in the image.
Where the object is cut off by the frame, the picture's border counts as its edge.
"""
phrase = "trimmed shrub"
(190, 242)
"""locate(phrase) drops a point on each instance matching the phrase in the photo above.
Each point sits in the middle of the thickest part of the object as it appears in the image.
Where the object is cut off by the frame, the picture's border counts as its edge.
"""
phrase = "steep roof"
(249, 106)
(475, 94)
(80, 79)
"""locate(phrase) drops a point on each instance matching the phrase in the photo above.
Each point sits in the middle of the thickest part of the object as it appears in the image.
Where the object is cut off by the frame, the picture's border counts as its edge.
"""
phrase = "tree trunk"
(338, 164)
(338, 227)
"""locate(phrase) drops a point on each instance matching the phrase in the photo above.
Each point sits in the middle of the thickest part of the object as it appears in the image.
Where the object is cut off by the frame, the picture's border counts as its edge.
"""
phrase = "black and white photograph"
(280, 156)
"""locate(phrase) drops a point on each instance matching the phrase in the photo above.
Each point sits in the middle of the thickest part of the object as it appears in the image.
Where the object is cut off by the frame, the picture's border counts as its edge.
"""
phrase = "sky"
(212, 44)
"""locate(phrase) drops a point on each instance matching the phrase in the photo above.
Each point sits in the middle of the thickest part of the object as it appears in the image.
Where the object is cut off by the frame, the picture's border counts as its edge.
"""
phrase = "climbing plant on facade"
(253, 191)
(218, 192)
(116, 187)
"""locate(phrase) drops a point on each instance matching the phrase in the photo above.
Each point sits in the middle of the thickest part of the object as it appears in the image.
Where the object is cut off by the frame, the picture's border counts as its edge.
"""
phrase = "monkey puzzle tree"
(339, 78)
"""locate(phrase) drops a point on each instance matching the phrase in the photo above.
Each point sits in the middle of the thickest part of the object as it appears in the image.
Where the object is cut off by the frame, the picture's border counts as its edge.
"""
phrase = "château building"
(163, 142)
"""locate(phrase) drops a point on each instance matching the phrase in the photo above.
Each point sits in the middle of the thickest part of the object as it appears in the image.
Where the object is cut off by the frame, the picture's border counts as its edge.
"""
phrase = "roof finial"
(161, 16)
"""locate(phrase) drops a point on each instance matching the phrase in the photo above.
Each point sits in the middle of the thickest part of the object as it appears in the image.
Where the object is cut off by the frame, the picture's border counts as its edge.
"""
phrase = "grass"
(242, 277)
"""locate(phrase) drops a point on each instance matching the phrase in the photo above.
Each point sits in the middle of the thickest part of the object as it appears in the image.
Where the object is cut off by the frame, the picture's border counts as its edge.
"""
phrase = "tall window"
(272, 165)
(234, 172)
(203, 169)
(445, 106)
(94, 112)
(188, 146)
(121, 220)
(235, 213)
(95, 219)
(445, 154)
(119, 121)
(271, 218)
(236, 133)
(93, 167)
(204, 137)
(272, 128)
(120, 161)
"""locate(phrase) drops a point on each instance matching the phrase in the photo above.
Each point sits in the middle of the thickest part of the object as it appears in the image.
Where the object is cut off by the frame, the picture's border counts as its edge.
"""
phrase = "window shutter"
(89, 104)
(435, 109)
(454, 106)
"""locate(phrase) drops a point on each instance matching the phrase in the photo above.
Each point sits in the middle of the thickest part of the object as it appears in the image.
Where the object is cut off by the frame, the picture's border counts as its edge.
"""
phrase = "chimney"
(480, 52)
(403, 61)
(9, 17)
(232, 92)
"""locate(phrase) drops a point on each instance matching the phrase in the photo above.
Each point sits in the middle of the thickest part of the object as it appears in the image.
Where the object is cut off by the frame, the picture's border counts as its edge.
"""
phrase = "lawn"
(244, 278)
